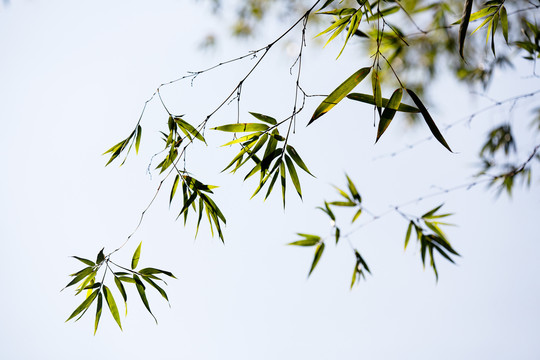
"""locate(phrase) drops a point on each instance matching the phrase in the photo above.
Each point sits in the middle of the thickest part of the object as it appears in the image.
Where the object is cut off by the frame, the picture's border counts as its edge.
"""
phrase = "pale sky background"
(74, 76)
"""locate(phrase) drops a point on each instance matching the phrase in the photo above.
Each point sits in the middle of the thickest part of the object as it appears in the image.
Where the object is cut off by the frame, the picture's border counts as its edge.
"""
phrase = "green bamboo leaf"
(79, 276)
(242, 139)
(89, 280)
(265, 118)
(242, 127)
(85, 261)
(142, 294)
(343, 203)
(353, 26)
(173, 189)
(338, 234)
(504, 23)
(136, 257)
(328, 2)
(389, 112)
(126, 279)
(283, 180)
(431, 212)
(376, 87)
(184, 125)
(318, 253)
(368, 99)
(199, 218)
(307, 242)
(357, 215)
(98, 311)
(187, 204)
(294, 155)
(294, 175)
(138, 138)
(151, 271)
(408, 234)
(353, 281)
(121, 288)
(339, 93)
(271, 186)
(84, 305)
(344, 194)
(157, 287)
(112, 305)
(100, 256)
(486, 20)
(427, 118)
(352, 189)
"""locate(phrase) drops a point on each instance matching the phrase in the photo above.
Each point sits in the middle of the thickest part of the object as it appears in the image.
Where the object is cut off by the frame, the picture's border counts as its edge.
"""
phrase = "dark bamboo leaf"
(294, 175)
(294, 155)
(98, 311)
(504, 23)
(389, 112)
(376, 87)
(265, 118)
(157, 287)
(173, 189)
(142, 294)
(80, 276)
(85, 261)
(368, 99)
(283, 180)
(100, 256)
(467, 7)
(338, 234)
(429, 121)
(136, 257)
(84, 305)
(271, 186)
(339, 93)
(151, 271)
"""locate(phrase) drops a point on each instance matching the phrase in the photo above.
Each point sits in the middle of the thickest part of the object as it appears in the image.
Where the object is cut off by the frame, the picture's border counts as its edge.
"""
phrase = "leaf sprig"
(97, 290)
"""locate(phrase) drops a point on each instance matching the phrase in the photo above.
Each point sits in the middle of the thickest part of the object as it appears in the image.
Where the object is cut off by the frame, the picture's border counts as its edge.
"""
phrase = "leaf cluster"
(86, 278)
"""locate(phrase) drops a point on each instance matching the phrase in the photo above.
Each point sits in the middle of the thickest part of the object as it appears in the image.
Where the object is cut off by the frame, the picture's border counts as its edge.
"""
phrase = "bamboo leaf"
(85, 261)
(427, 118)
(136, 257)
(389, 112)
(157, 287)
(408, 234)
(151, 271)
(242, 127)
(112, 305)
(138, 138)
(142, 294)
(98, 312)
(318, 253)
(173, 189)
(339, 93)
(283, 180)
(352, 189)
(368, 99)
(294, 155)
(294, 175)
(357, 215)
(306, 242)
(84, 305)
(376, 86)
(265, 118)
(504, 23)
(465, 17)
(189, 128)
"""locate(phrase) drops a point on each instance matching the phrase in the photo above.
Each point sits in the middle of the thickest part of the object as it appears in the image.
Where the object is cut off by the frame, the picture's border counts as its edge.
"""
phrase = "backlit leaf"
(136, 257)
(368, 99)
(84, 305)
(389, 112)
(318, 253)
(339, 93)
(242, 127)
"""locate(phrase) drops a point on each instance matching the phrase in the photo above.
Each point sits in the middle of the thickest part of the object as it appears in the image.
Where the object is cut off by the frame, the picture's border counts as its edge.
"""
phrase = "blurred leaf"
(136, 256)
(357, 215)
(408, 234)
(337, 234)
(352, 189)
(318, 253)
(339, 93)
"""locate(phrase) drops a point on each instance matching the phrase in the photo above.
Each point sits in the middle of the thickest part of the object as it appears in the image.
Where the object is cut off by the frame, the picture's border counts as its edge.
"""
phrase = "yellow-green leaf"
(136, 256)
